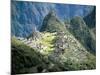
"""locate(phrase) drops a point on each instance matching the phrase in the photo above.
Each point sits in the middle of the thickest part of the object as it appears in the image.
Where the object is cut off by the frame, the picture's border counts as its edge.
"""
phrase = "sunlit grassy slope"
(23, 57)
(54, 48)
(50, 57)
(47, 42)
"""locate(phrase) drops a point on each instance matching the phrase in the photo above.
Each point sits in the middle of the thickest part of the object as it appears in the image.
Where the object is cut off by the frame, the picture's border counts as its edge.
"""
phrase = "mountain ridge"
(27, 14)
(55, 42)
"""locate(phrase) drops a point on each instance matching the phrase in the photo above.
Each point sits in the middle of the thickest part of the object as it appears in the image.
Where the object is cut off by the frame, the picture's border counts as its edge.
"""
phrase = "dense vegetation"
(90, 19)
(26, 15)
(24, 57)
(50, 37)
(80, 30)
(52, 24)
(58, 47)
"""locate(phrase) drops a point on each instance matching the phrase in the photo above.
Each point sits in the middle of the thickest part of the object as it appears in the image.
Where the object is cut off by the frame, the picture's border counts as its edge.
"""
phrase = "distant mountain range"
(48, 37)
(61, 47)
(27, 15)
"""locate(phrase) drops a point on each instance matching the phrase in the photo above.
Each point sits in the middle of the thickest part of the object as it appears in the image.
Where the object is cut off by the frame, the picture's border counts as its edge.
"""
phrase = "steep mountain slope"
(56, 50)
(70, 54)
(80, 30)
(90, 19)
(41, 42)
(23, 57)
(52, 24)
(67, 48)
(26, 15)
(60, 51)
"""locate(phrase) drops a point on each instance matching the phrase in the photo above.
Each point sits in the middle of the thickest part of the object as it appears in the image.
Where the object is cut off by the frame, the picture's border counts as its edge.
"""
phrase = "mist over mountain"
(26, 15)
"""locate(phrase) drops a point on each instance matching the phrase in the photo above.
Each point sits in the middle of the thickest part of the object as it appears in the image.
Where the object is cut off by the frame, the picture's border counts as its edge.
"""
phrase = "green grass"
(28, 60)
(24, 57)
(47, 42)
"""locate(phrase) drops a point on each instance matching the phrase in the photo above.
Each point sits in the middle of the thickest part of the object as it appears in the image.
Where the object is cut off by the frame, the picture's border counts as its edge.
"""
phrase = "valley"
(46, 39)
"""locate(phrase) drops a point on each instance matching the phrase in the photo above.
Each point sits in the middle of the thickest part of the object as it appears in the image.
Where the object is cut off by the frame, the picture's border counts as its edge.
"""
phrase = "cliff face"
(27, 15)
(53, 52)
(51, 23)
(51, 37)
(81, 31)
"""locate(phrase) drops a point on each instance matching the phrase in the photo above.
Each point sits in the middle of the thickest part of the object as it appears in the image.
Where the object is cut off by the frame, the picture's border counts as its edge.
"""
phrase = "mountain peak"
(52, 13)
(51, 23)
